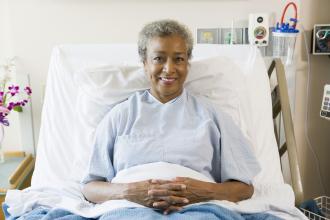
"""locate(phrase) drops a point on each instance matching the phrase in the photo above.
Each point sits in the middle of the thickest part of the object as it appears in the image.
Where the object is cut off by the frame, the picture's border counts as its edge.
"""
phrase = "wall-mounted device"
(321, 39)
(259, 29)
(325, 106)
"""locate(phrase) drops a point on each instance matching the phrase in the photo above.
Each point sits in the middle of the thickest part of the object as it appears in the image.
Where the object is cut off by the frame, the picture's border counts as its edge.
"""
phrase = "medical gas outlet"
(259, 29)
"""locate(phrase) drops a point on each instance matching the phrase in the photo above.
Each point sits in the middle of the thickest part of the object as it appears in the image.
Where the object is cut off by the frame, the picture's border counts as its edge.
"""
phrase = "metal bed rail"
(281, 105)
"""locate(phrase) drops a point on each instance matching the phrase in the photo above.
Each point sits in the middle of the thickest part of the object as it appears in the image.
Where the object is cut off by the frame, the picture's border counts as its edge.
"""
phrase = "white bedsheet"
(273, 199)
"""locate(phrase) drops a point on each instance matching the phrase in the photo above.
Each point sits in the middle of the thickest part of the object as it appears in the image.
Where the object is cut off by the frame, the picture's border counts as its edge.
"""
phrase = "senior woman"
(167, 123)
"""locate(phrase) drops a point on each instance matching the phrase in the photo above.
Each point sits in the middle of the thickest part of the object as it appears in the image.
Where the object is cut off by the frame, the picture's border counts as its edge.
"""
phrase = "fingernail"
(183, 186)
(185, 200)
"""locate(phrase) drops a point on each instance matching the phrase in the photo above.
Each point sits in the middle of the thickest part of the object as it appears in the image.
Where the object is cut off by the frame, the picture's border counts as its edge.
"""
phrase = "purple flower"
(1, 97)
(13, 90)
(28, 90)
(4, 120)
(7, 104)
(4, 110)
(11, 105)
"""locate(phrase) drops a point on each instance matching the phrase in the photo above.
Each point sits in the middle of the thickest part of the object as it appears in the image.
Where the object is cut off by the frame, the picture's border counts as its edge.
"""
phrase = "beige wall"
(313, 12)
(35, 26)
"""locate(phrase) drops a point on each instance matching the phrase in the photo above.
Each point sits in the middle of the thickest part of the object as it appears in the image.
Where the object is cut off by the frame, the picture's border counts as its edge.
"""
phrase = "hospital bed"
(84, 81)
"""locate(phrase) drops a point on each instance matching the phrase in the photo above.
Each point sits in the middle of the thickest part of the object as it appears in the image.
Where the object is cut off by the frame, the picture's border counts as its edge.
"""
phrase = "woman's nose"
(169, 66)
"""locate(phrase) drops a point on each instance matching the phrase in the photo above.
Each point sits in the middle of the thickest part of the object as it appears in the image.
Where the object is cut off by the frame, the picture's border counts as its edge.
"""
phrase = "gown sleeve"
(100, 166)
(237, 158)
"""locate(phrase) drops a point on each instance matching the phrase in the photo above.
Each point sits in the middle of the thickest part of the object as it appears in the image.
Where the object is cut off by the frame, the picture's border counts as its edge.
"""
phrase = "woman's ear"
(145, 67)
(188, 67)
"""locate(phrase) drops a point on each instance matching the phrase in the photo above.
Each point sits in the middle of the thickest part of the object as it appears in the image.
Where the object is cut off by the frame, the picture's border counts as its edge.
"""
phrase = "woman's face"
(166, 66)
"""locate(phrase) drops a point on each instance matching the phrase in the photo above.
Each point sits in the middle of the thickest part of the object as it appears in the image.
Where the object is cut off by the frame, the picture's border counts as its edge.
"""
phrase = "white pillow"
(100, 88)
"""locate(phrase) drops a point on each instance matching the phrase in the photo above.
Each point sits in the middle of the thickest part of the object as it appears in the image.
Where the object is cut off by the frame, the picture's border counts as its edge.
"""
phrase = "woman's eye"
(157, 59)
(179, 59)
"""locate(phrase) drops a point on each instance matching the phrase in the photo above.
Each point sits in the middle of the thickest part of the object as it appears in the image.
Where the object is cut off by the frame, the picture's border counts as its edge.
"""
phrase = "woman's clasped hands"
(169, 195)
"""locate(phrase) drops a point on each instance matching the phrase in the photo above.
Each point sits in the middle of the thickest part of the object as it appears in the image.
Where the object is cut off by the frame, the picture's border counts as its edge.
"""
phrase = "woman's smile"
(167, 81)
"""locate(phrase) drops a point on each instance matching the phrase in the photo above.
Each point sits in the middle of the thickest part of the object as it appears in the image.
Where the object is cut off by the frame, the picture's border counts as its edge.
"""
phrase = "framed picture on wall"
(207, 35)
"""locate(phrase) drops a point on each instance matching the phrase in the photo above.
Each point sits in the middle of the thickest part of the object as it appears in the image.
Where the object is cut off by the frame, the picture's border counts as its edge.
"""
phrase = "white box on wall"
(259, 29)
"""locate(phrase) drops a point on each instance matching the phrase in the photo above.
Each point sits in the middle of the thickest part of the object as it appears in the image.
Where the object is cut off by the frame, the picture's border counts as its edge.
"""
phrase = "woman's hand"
(196, 190)
(192, 191)
(143, 193)
(138, 192)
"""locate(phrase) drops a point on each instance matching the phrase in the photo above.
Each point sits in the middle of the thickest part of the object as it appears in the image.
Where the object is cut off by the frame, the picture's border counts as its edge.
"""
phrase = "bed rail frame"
(281, 105)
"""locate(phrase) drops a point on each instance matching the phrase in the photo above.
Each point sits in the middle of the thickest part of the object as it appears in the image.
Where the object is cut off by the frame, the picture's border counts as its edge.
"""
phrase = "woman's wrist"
(117, 191)
(204, 191)
(127, 191)
(99, 191)
(212, 190)
(218, 192)
(132, 191)
(233, 191)
(123, 191)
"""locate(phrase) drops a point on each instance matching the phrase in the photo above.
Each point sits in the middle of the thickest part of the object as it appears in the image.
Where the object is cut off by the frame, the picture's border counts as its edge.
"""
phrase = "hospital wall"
(318, 129)
(29, 29)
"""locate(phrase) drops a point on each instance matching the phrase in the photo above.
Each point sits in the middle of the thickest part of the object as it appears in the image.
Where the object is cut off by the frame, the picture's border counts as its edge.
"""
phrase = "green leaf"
(18, 108)
(4, 100)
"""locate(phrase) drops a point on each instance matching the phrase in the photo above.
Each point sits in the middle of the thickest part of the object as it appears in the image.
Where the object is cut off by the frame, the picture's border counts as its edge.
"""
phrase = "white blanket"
(276, 199)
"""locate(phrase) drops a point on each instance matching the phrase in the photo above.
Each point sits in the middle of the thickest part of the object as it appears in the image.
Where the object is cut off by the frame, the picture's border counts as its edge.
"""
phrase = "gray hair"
(163, 28)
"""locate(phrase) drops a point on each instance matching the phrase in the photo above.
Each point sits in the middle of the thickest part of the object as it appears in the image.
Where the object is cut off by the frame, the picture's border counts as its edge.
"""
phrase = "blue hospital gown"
(186, 130)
